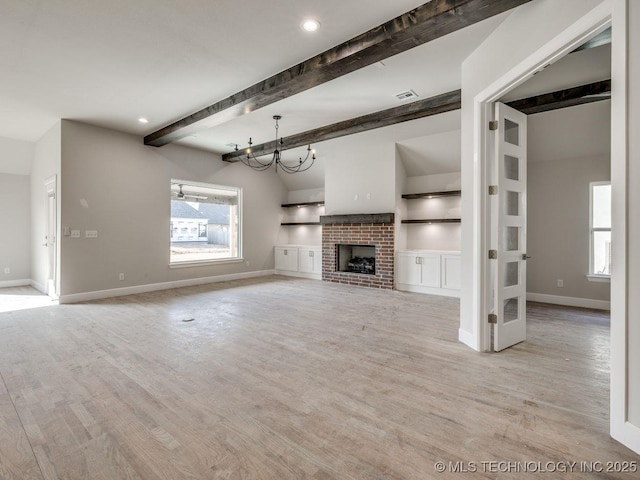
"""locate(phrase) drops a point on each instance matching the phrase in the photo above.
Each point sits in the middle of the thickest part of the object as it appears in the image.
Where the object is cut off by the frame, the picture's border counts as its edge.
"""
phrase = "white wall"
(438, 236)
(16, 156)
(114, 184)
(306, 195)
(367, 172)
(401, 206)
(15, 234)
(558, 226)
(434, 183)
(303, 234)
(46, 163)
(525, 31)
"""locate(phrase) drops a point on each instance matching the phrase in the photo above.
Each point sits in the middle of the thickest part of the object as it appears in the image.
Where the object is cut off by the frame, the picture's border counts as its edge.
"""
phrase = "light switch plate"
(75, 233)
(90, 234)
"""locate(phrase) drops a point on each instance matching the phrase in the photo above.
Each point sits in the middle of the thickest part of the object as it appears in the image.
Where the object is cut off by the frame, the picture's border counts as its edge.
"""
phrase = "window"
(205, 223)
(600, 230)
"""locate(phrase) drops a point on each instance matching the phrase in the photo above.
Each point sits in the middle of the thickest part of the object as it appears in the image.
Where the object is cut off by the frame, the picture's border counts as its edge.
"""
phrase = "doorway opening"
(50, 239)
(568, 131)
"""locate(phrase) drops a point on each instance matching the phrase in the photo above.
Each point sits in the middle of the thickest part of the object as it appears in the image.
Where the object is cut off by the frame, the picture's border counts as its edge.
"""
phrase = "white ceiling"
(109, 63)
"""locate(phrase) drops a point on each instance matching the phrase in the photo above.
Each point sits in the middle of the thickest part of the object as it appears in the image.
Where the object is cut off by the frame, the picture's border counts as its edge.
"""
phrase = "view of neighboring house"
(199, 222)
(218, 222)
(187, 223)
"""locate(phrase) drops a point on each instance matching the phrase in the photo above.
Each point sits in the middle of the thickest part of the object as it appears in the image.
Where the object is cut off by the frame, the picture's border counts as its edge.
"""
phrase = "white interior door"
(50, 239)
(509, 235)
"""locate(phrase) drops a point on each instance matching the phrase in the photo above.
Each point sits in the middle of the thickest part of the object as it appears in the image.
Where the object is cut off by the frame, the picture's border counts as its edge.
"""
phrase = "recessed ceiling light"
(143, 120)
(310, 25)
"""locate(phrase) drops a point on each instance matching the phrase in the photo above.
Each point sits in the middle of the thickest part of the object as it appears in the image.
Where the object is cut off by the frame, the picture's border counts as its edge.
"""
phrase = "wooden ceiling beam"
(411, 111)
(416, 27)
(591, 92)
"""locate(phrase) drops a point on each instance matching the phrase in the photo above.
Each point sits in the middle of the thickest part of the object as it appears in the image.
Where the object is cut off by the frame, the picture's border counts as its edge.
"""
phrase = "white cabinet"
(451, 271)
(286, 258)
(419, 269)
(299, 260)
(310, 260)
(432, 272)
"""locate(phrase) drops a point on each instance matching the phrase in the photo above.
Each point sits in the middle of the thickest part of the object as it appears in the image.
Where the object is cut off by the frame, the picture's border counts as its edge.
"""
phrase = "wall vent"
(406, 95)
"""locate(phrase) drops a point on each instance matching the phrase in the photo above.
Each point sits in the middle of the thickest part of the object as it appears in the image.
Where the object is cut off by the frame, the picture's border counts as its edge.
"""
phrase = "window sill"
(204, 263)
(599, 278)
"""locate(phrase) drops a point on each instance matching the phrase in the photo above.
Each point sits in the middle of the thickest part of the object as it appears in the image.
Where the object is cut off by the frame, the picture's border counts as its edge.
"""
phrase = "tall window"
(205, 222)
(600, 250)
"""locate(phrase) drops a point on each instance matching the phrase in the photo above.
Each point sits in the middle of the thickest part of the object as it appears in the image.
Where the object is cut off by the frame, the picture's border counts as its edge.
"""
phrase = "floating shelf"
(434, 220)
(300, 223)
(448, 193)
(305, 204)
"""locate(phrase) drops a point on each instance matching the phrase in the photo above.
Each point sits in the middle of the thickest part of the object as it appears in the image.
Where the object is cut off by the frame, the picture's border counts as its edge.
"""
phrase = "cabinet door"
(451, 272)
(408, 269)
(286, 258)
(310, 260)
(430, 270)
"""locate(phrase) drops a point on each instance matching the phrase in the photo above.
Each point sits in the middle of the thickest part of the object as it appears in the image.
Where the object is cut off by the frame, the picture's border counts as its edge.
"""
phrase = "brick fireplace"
(376, 230)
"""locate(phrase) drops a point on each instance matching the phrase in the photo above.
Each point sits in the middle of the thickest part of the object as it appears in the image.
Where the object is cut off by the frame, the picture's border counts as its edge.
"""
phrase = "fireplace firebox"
(356, 259)
(374, 230)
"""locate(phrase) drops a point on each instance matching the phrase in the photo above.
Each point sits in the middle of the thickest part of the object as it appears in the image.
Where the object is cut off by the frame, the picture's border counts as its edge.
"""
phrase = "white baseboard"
(38, 286)
(121, 292)
(627, 434)
(443, 292)
(15, 283)
(569, 301)
(467, 338)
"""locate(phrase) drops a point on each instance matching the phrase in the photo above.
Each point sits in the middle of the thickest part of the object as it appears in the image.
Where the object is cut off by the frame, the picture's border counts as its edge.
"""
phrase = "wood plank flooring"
(281, 378)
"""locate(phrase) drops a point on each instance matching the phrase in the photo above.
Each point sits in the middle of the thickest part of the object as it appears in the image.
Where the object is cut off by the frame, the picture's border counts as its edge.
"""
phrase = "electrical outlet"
(121, 276)
(7, 270)
(560, 283)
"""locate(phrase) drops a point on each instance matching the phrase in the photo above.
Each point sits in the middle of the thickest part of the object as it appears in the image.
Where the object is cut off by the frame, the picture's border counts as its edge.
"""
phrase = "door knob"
(525, 256)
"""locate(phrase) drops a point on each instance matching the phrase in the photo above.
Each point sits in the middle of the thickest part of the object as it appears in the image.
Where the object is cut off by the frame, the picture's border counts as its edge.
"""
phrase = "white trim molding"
(15, 283)
(153, 287)
(569, 301)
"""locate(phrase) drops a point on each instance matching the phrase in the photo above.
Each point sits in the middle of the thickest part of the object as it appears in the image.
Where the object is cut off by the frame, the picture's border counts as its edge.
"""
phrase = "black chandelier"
(251, 161)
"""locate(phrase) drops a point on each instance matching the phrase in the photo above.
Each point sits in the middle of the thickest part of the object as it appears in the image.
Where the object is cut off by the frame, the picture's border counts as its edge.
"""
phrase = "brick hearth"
(378, 230)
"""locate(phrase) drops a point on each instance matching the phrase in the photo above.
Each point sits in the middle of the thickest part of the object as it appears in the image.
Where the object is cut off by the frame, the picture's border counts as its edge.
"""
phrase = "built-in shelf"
(448, 193)
(300, 223)
(433, 220)
(305, 204)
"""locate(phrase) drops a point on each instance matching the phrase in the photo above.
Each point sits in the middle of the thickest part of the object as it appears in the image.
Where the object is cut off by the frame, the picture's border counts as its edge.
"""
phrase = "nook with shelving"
(428, 196)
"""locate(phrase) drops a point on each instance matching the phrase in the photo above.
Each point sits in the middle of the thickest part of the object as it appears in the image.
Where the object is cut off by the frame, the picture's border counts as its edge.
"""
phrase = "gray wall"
(15, 230)
(558, 226)
(16, 158)
(112, 183)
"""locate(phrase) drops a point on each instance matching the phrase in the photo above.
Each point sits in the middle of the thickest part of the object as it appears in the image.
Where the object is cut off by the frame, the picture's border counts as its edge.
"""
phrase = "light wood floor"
(280, 378)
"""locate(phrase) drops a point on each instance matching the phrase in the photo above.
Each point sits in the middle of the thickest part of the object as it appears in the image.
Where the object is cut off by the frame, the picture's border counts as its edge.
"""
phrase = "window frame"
(591, 275)
(212, 261)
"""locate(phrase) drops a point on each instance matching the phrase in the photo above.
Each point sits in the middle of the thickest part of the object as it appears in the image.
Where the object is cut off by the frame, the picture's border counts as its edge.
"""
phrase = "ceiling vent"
(404, 96)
